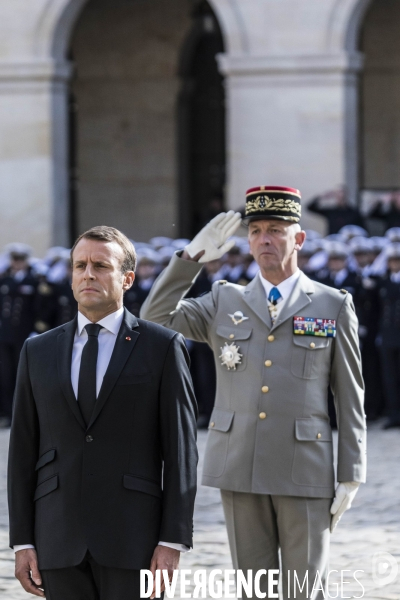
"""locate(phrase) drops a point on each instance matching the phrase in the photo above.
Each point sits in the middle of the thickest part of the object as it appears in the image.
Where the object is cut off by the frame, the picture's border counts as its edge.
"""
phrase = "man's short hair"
(102, 233)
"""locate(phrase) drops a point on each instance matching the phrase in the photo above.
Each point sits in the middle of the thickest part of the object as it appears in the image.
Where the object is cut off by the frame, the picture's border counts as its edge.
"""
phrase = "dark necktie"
(87, 372)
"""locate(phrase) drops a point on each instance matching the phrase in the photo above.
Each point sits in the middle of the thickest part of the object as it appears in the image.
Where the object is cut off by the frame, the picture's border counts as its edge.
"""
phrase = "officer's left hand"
(345, 494)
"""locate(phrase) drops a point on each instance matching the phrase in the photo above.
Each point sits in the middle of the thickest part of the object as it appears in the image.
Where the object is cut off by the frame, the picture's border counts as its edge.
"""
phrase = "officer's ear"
(300, 238)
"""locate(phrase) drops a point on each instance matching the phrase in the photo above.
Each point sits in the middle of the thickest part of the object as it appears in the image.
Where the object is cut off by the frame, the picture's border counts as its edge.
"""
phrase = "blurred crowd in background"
(36, 295)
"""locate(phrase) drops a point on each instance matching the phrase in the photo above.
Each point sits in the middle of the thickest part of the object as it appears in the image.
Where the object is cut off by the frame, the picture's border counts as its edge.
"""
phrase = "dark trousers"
(91, 581)
(9, 357)
(391, 380)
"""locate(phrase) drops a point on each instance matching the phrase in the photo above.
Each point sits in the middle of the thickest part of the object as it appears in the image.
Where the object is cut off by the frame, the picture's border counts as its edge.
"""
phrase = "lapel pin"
(238, 317)
(128, 339)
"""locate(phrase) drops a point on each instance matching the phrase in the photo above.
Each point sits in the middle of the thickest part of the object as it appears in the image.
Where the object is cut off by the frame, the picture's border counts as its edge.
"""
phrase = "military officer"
(337, 272)
(18, 319)
(278, 343)
(56, 304)
(389, 334)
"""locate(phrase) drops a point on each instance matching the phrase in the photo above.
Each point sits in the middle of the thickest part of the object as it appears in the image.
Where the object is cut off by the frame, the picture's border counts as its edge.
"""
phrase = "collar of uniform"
(111, 322)
(340, 276)
(395, 277)
(285, 287)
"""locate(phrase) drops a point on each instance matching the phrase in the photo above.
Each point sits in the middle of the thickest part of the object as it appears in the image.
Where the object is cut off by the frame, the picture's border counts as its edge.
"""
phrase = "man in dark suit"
(102, 463)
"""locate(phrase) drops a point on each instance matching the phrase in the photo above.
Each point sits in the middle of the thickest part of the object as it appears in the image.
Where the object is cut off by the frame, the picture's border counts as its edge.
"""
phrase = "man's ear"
(129, 278)
(300, 239)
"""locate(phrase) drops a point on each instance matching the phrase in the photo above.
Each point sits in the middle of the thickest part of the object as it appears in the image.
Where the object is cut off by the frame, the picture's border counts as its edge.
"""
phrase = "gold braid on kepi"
(273, 202)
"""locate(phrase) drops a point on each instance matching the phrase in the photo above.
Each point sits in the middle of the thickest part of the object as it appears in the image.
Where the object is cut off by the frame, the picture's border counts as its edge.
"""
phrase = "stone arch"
(343, 33)
(51, 41)
(201, 122)
(379, 95)
(355, 24)
(54, 28)
(50, 44)
(344, 25)
(56, 22)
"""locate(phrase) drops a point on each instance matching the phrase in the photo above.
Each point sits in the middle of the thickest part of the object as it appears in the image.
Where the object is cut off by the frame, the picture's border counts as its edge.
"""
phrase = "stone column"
(287, 123)
(33, 161)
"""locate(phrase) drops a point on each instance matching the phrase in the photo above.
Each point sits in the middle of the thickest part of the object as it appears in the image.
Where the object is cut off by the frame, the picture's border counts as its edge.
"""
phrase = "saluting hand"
(211, 242)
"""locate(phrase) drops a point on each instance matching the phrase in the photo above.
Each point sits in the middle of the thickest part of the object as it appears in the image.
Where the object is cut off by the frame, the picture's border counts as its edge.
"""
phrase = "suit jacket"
(269, 431)
(125, 482)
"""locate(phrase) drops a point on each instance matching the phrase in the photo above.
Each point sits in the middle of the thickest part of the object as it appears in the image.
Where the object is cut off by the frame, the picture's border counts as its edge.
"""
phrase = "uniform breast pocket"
(308, 354)
(233, 347)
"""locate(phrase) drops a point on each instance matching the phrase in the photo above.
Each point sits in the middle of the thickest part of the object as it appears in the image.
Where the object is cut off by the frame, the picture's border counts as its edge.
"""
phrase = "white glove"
(344, 496)
(213, 237)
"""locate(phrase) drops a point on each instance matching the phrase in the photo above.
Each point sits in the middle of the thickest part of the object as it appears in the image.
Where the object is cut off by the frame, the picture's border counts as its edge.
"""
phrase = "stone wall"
(126, 56)
(380, 96)
(291, 72)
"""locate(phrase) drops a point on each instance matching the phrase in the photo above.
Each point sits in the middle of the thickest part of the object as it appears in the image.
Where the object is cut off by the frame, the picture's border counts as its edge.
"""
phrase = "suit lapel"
(65, 343)
(122, 350)
(254, 296)
(298, 299)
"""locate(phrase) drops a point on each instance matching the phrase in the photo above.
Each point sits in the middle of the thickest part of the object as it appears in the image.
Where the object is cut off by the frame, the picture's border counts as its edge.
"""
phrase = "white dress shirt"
(107, 337)
(285, 289)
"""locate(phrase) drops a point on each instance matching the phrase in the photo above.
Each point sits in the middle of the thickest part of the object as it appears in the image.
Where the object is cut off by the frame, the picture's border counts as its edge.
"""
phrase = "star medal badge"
(230, 356)
(238, 317)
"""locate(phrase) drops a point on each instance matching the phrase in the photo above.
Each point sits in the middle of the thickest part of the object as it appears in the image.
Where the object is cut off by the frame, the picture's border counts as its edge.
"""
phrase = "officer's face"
(394, 265)
(364, 259)
(97, 281)
(18, 263)
(337, 264)
(274, 244)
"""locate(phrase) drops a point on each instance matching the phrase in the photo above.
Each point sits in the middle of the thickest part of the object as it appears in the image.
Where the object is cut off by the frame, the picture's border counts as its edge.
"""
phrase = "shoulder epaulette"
(343, 291)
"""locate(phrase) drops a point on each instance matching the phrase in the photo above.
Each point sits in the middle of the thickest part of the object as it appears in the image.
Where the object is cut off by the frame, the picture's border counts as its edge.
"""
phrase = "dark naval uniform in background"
(56, 304)
(18, 319)
(389, 335)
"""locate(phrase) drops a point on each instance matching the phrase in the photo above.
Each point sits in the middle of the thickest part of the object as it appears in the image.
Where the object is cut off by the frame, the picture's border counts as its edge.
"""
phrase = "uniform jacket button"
(262, 415)
(271, 338)
(89, 438)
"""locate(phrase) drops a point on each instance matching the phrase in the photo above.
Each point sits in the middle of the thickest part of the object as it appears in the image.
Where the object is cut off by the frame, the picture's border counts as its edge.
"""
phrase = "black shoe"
(391, 424)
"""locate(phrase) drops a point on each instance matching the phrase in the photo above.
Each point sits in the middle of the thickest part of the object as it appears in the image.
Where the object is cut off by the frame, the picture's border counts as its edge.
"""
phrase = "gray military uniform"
(269, 433)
